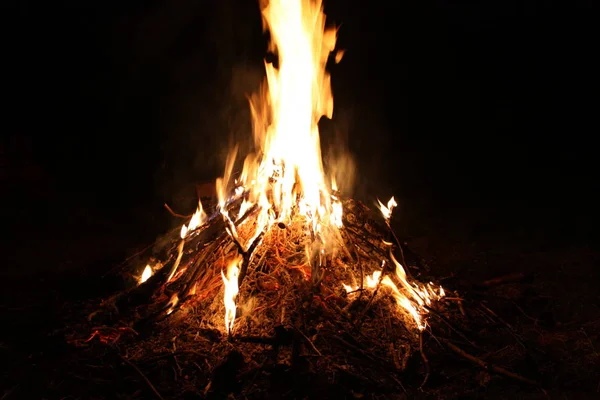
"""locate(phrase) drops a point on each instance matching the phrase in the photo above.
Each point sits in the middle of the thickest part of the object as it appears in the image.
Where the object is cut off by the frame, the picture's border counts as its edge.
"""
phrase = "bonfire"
(280, 225)
(279, 263)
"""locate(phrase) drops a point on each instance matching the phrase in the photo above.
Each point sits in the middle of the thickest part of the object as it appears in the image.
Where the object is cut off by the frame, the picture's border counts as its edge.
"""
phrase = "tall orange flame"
(284, 178)
(286, 175)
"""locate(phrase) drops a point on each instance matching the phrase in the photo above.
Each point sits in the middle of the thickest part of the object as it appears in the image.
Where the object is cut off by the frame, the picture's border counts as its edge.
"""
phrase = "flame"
(336, 206)
(173, 303)
(386, 210)
(413, 298)
(198, 219)
(193, 289)
(370, 282)
(177, 260)
(230, 282)
(284, 179)
(285, 176)
(146, 274)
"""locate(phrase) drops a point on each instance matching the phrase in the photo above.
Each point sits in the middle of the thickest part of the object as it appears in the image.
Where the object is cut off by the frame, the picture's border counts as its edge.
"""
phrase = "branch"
(247, 257)
(150, 385)
(490, 367)
(173, 213)
(425, 360)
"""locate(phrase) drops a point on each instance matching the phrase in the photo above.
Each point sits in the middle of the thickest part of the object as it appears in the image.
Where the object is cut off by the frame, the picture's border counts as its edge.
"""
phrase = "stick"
(10, 391)
(514, 277)
(220, 240)
(136, 254)
(385, 365)
(425, 360)
(309, 341)
(490, 367)
(196, 268)
(368, 306)
(256, 339)
(173, 213)
(150, 385)
(404, 265)
(508, 326)
(247, 256)
(452, 327)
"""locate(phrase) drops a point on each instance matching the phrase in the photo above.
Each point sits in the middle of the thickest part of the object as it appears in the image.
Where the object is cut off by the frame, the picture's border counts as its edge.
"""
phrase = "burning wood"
(281, 252)
(280, 210)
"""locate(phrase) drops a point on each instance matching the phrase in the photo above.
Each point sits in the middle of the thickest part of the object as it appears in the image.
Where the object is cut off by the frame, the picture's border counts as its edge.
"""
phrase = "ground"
(550, 317)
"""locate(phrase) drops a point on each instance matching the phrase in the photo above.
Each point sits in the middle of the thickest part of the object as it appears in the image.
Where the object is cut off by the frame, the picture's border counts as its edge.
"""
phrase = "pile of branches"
(294, 336)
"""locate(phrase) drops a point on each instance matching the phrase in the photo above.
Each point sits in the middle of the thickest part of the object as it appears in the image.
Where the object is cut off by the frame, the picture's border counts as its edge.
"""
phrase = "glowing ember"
(230, 292)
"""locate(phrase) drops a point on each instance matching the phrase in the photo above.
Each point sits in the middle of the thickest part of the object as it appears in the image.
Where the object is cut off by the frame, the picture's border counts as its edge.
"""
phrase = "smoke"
(338, 160)
(208, 71)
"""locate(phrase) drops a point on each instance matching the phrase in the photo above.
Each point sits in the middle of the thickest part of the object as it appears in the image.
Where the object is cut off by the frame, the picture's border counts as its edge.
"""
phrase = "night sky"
(113, 108)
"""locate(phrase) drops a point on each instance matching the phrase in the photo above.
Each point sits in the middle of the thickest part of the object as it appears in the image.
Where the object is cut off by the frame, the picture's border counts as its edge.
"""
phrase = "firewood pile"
(292, 335)
(284, 290)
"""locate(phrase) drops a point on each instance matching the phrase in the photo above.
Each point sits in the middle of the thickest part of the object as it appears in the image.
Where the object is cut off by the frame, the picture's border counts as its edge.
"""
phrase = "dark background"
(480, 117)
(113, 108)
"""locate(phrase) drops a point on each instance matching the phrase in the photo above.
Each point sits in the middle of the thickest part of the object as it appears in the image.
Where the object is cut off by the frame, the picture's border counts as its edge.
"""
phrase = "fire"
(283, 181)
(230, 292)
(198, 219)
(413, 298)
(386, 210)
(370, 282)
(146, 274)
(285, 177)
(173, 303)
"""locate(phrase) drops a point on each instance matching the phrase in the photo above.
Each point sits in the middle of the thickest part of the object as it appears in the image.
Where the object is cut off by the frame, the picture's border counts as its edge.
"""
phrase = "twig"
(385, 365)
(162, 356)
(459, 299)
(247, 257)
(535, 321)
(399, 245)
(452, 327)
(490, 367)
(309, 341)
(508, 326)
(360, 264)
(425, 360)
(150, 385)
(173, 213)
(366, 242)
(10, 391)
(187, 286)
(513, 277)
(368, 306)
(130, 257)
(462, 308)
(271, 341)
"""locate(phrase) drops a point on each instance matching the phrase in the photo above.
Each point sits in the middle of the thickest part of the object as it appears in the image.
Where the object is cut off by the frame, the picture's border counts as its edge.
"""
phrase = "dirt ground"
(551, 311)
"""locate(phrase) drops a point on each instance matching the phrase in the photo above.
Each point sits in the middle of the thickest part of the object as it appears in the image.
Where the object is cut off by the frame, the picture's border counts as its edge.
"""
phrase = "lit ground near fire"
(553, 319)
